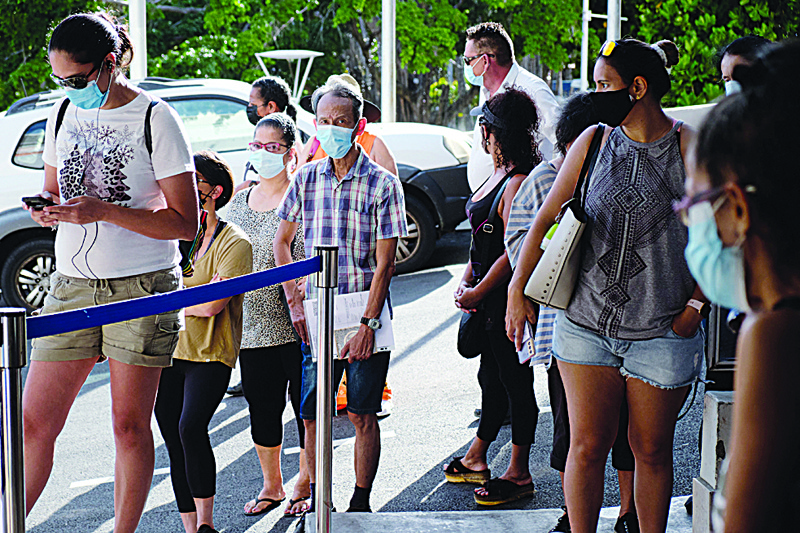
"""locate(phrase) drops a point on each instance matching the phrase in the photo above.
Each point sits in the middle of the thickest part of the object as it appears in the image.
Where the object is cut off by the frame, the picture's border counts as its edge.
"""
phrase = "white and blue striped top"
(526, 204)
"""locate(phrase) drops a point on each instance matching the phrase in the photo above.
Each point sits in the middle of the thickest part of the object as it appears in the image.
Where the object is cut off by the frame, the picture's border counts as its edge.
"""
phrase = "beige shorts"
(146, 341)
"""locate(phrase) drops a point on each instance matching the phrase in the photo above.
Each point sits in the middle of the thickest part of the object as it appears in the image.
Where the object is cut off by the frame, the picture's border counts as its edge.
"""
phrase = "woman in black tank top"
(508, 122)
(741, 202)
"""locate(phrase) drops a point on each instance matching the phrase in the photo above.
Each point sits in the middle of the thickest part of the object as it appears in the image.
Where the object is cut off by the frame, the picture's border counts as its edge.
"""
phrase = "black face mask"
(612, 106)
(252, 114)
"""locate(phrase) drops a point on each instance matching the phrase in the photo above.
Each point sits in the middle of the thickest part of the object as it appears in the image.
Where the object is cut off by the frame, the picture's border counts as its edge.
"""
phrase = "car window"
(29, 150)
(214, 123)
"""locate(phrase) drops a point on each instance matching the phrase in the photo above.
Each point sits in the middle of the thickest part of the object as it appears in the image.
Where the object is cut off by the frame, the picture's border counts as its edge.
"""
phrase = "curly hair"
(517, 136)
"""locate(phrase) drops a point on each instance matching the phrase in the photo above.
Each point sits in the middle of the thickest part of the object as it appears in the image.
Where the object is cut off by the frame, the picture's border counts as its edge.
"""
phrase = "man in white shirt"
(489, 63)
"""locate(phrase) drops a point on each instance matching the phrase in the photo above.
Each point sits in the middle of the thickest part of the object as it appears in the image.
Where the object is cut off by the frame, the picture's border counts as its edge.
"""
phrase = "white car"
(431, 162)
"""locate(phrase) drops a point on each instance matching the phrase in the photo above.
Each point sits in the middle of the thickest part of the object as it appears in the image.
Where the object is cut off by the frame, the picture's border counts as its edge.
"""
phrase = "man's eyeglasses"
(469, 59)
(273, 148)
(79, 81)
(608, 48)
(716, 197)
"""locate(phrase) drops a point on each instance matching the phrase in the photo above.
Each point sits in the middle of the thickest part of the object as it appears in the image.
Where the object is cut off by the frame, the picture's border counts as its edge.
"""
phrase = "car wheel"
(26, 274)
(414, 251)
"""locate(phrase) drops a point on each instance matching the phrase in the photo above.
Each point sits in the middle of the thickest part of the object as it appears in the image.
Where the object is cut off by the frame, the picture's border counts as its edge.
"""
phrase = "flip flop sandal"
(293, 502)
(503, 491)
(272, 505)
(456, 472)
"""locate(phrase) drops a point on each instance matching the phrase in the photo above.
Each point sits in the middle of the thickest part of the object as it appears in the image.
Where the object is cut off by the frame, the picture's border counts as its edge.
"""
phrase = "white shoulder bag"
(553, 280)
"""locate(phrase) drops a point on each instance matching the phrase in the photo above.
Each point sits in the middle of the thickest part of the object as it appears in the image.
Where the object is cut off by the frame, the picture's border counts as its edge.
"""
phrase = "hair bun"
(670, 50)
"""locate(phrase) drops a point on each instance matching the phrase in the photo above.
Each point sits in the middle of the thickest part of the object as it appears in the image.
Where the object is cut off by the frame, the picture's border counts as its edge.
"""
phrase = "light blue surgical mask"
(732, 87)
(472, 79)
(90, 97)
(335, 140)
(266, 164)
(718, 269)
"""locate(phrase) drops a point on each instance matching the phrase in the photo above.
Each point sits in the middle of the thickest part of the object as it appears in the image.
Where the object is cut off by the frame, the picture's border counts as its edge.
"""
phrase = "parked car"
(431, 161)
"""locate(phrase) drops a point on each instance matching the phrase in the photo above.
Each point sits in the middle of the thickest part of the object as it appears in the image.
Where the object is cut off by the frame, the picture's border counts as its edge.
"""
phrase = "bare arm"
(282, 248)
(520, 310)
(209, 309)
(381, 154)
(360, 347)
(177, 221)
(767, 407)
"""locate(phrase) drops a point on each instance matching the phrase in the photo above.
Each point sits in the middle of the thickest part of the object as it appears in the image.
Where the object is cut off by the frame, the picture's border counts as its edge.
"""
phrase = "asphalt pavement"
(435, 394)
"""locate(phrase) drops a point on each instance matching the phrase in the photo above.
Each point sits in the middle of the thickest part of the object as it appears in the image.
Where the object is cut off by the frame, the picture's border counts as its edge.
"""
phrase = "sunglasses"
(608, 48)
(273, 148)
(716, 197)
(79, 81)
(469, 59)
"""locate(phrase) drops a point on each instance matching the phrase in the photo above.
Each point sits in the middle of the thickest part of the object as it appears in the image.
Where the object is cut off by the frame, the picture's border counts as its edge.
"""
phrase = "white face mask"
(732, 87)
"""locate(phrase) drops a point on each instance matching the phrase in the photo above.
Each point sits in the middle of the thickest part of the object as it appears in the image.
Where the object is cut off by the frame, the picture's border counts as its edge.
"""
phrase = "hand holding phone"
(37, 203)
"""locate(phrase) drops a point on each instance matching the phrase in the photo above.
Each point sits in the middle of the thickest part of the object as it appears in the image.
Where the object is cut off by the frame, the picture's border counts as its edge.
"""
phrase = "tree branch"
(166, 9)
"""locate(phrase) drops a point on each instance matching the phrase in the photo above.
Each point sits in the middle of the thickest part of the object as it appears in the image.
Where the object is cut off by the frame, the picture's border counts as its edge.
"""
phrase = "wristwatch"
(371, 323)
(704, 308)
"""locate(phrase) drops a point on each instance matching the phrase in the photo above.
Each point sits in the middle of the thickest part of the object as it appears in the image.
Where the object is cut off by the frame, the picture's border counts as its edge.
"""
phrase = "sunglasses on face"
(608, 48)
(716, 197)
(273, 147)
(469, 59)
(79, 81)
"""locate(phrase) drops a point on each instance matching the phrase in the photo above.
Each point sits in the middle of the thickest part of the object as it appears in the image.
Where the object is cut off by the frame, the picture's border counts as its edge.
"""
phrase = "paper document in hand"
(347, 313)
(527, 350)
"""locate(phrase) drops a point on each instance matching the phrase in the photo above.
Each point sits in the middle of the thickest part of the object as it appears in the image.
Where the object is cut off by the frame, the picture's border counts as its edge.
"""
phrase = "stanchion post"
(13, 359)
(327, 280)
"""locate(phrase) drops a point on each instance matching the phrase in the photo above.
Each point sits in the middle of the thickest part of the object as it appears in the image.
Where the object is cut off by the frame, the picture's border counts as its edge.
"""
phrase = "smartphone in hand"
(37, 203)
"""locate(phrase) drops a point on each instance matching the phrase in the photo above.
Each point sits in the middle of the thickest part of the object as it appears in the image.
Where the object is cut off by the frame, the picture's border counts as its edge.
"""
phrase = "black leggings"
(265, 375)
(504, 381)
(188, 395)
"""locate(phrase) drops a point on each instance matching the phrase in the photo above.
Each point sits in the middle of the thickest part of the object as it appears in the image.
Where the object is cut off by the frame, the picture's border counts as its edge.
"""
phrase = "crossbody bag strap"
(488, 226)
(582, 187)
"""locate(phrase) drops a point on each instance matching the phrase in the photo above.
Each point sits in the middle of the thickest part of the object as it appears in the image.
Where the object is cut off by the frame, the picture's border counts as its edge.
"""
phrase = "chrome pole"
(326, 280)
(13, 359)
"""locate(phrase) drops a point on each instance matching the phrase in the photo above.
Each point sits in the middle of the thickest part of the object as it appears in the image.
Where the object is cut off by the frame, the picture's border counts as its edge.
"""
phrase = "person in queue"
(373, 144)
(741, 51)
(577, 114)
(271, 356)
(489, 64)
(268, 94)
(740, 205)
(508, 124)
(120, 210)
(191, 389)
(349, 201)
(631, 330)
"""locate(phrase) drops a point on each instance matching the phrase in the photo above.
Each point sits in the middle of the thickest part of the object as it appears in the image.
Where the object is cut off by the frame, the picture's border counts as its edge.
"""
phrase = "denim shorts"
(146, 341)
(666, 362)
(365, 381)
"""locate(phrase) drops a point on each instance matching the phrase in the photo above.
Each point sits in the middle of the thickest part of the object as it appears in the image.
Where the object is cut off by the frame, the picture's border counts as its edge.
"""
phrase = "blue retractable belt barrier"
(90, 317)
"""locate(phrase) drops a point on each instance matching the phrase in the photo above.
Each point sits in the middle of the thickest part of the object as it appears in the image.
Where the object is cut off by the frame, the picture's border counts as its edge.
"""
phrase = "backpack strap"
(60, 117)
(148, 136)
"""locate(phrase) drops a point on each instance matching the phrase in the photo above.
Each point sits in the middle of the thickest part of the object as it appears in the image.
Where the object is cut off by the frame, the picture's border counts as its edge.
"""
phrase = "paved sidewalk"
(536, 521)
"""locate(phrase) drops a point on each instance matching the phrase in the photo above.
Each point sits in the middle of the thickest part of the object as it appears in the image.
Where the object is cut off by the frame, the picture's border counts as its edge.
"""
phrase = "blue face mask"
(719, 270)
(469, 74)
(335, 141)
(90, 97)
(266, 164)
(732, 87)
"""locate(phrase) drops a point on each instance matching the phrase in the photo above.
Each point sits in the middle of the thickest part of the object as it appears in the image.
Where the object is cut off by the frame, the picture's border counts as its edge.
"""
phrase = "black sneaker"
(627, 523)
(562, 525)
(235, 390)
(205, 528)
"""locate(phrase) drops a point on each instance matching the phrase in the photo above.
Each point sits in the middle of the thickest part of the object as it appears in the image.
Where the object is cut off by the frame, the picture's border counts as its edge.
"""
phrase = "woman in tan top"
(191, 390)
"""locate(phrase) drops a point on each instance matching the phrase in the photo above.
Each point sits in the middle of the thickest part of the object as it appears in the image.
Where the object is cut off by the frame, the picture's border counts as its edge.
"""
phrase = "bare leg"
(301, 489)
(626, 504)
(594, 396)
(270, 461)
(189, 522)
(50, 390)
(517, 470)
(653, 414)
(367, 448)
(133, 394)
(475, 458)
(205, 511)
(311, 449)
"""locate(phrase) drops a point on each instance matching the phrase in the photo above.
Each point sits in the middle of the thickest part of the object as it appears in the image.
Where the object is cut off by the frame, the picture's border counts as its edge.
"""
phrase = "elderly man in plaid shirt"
(349, 201)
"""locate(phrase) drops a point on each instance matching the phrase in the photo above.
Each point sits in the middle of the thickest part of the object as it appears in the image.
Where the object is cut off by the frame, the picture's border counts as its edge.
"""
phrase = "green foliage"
(700, 28)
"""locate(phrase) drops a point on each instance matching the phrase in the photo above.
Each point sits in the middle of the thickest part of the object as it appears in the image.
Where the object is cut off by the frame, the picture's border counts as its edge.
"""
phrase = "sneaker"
(235, 390)
(562, 525)
(627, 523)
(205, 528)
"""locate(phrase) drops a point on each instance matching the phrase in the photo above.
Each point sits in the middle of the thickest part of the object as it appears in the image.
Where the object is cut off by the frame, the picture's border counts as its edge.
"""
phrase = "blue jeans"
(667, 362)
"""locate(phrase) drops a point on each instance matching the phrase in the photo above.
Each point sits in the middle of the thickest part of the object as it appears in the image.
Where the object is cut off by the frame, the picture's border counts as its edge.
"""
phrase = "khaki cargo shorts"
(146, 341)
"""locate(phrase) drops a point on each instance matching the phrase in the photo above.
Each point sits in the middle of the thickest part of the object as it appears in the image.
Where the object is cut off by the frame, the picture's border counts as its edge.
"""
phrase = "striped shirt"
(365, 206)
(526, 204)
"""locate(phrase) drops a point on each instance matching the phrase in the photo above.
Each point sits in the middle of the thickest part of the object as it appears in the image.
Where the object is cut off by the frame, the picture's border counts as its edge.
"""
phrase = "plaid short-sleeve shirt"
(353, 214)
